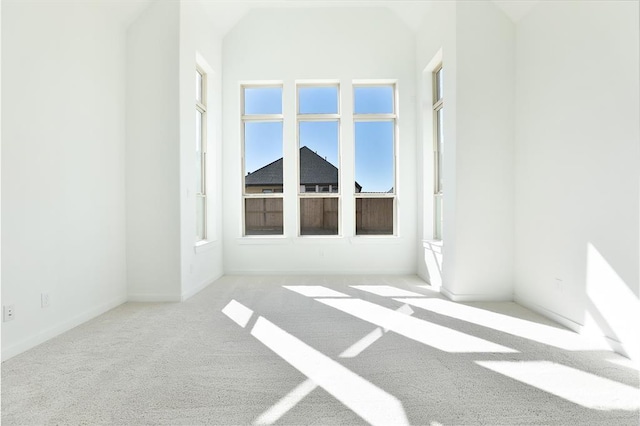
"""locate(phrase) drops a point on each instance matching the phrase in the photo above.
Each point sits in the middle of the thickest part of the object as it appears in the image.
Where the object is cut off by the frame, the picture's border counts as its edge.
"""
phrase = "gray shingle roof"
(315, 170)
(271, 174)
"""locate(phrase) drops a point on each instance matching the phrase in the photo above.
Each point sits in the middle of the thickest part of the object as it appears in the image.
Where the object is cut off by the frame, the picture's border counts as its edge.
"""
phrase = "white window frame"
(328, 117)
(438, 105)
(382, 118)
(259, 118)
(201, 106)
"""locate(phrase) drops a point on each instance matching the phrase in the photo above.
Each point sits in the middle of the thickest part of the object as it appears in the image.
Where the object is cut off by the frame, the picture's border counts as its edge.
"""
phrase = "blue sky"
(373, 140)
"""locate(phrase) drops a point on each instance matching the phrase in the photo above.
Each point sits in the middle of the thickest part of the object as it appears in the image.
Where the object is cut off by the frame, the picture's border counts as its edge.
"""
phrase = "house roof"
(314, 170)
(271, 174)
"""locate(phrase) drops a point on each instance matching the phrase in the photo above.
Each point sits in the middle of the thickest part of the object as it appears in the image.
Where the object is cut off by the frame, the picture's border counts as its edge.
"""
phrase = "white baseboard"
(615, 345)
(560, 319)
(480, 297)
(197, 289)
(51, 332)
(154, 297)
(318, 272)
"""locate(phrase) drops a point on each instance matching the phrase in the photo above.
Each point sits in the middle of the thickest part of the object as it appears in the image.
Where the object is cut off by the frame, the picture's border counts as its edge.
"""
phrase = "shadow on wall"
(612, 309)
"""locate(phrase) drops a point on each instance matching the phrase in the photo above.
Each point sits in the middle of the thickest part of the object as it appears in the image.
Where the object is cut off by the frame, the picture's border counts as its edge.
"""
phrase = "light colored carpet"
(190, 363)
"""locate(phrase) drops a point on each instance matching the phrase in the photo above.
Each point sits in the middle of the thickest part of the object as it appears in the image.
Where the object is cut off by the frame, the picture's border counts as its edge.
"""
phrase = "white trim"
(572, 325)
(477, 297)
(375, 195)
(154, 297)
(267, 118)
(376, 239)
(197, 289)
(56, 330)
(334, 272)
(370, 82)
(204, 246)
(321, 82)
(435, 62)
(374, 117)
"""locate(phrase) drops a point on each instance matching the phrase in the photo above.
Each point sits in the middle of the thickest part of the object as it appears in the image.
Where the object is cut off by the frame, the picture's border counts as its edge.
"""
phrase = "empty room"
(261, 212)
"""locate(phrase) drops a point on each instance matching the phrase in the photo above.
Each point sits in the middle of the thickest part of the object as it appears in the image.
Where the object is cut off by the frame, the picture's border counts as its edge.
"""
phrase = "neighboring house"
(316, 175)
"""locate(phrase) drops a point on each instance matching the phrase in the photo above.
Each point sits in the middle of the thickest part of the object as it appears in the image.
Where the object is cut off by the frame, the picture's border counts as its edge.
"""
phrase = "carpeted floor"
(319, 350)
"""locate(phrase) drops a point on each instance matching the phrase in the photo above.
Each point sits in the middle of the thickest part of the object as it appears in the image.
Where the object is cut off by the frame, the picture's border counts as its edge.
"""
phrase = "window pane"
(437, 234)
(318, 216)
(374, 156)
(263, 156)
(319, 155)
(440, 147)
(263, 100)
(374, 216)
(318, 100)
(263, 216)
(374, 100)
(439, 84)
(201, 210)
(199, 151)
(198, 86)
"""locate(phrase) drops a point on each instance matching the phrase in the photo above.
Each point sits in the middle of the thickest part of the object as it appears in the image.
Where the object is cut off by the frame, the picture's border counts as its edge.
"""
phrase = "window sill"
(262, 239)
(203, 246)
(375, 239)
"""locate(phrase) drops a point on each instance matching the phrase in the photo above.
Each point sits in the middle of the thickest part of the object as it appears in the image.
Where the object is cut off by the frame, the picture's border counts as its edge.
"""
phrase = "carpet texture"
(319, 350)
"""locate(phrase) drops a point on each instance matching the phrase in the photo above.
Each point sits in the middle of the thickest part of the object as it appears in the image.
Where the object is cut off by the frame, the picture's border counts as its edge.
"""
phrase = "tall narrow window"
(375, 129)
(262, 160)
(201, 155)
(319, 160)
(438, 120)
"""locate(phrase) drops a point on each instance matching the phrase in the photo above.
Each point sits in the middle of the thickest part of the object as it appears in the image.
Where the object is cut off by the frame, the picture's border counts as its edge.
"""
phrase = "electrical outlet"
(8, 313)
(559, 284)
(45, 300)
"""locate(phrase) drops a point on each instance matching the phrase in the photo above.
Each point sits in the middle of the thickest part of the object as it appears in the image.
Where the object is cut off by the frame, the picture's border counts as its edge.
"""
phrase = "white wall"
(485, 98)
(319, 43)
(577, 166)
(63, 188)
(199, 37)
(153, 155)
(477, 42)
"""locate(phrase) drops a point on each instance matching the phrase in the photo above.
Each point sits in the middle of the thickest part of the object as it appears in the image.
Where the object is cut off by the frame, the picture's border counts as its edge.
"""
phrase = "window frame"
(201, 107)
(378, 117)
(318, 117)
(438, 108)
(259, 118)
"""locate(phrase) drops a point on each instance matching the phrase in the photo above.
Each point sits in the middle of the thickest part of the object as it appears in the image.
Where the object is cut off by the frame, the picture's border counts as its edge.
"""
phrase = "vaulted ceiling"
(226, 14)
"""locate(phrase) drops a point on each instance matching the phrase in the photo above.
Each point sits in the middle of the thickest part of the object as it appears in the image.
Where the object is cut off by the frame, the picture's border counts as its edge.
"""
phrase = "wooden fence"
(318, 216)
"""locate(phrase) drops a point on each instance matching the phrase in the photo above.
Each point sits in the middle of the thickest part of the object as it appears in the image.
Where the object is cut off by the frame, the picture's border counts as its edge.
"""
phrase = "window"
(438, 119)
(262, 160)
(375, 129)
(201, 156)
(318, 122)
